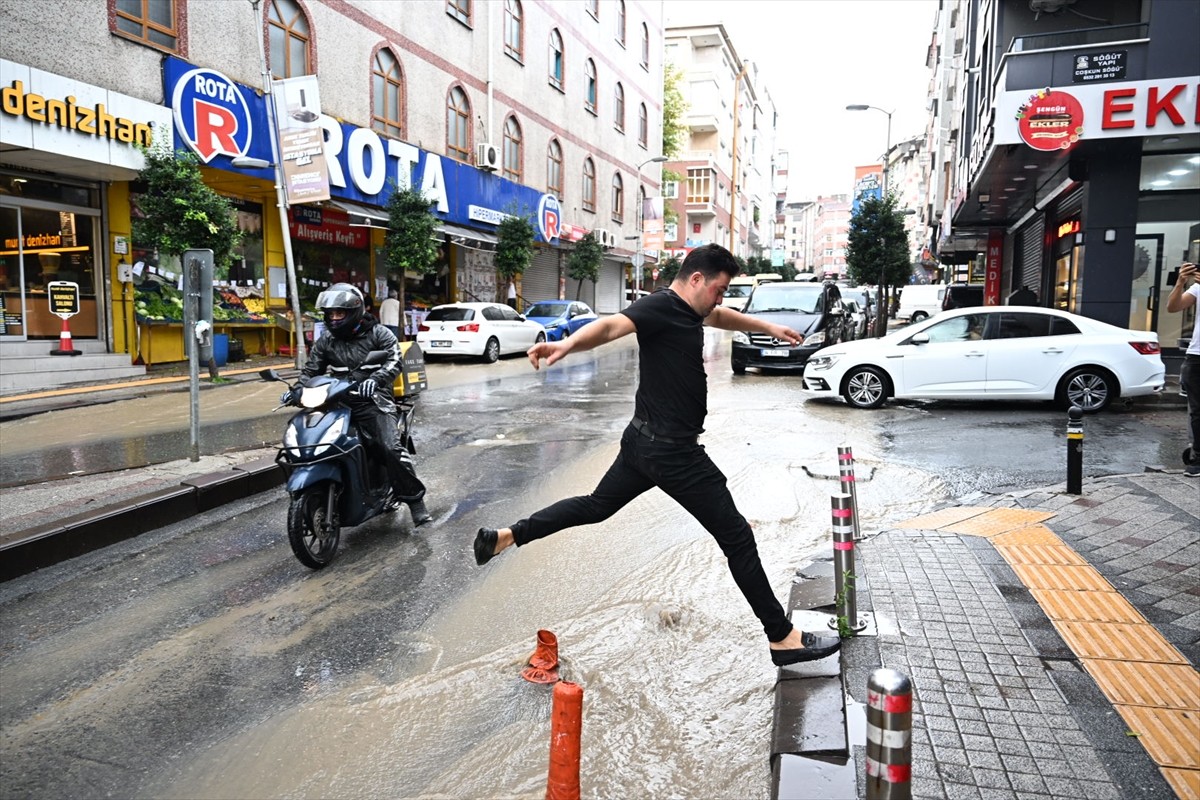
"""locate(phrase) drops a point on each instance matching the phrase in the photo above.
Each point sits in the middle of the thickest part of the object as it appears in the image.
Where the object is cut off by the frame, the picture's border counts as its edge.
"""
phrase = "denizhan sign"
(220, 119)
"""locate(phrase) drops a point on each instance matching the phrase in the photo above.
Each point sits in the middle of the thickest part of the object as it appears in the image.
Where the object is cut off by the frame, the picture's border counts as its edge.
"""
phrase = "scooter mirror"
(269, 375)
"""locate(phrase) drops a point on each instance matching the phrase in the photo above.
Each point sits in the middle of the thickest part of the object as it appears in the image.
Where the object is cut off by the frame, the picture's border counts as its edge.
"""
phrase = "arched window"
(620, 22)
(513, 155)
(589, 100)
(618, 198)
(557, 62)
(619, 107)
(554, 169)
(593, 8)
(514, 30)
(589, 185)
(639, 212)
(458, 124)
(290, 39)
(645, 45)
(643, 126)
(387, 86)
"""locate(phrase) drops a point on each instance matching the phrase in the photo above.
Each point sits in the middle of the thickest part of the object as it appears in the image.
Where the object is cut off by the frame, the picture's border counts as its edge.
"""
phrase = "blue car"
(560, 318)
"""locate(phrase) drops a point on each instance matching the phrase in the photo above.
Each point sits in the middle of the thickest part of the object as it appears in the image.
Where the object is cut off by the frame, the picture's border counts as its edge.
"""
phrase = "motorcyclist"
(350, 335)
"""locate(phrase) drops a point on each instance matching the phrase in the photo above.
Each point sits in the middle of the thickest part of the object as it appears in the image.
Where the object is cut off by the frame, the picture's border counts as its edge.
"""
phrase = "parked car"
(560, 318)
(864, 298)
(813, 309)
(993, 353)
(485, 330)
(920, 301)
(857, 324)
(962, 295)
(741, 286)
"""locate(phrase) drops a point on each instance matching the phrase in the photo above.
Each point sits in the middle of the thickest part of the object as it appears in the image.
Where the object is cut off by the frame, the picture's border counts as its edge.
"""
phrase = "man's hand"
(784, 332)
(551, 351)
(366, 388)
(289, 397)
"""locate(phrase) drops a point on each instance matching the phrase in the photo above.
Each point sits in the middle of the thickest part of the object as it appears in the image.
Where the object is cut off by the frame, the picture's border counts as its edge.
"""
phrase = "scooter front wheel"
(312, 534)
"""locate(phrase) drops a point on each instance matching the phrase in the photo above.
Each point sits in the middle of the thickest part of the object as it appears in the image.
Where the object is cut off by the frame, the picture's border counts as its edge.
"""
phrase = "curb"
(24, 551)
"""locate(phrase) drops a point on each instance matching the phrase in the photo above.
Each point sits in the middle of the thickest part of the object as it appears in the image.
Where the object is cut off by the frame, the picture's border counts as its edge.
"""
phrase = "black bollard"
(1075, 450)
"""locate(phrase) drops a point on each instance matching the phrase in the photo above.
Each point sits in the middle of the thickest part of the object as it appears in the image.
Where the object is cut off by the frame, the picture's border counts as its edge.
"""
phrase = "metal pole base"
(861, 625)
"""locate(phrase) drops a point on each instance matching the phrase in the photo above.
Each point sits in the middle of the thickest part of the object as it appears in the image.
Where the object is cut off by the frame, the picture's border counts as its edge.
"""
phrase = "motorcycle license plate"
(439, 344)
(774, 353)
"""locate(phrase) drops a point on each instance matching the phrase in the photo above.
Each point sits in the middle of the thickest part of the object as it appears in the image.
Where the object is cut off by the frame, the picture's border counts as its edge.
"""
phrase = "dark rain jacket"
(343, 359)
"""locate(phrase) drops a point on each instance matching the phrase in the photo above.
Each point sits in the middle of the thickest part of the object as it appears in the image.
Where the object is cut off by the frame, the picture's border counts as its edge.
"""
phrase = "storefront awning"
(468, 237)
(362, 216)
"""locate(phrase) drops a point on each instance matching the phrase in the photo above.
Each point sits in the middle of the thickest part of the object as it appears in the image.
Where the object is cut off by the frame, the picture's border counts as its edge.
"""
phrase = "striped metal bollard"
(1074, 450)
(845, 601)
(846, 476)
(889, 736)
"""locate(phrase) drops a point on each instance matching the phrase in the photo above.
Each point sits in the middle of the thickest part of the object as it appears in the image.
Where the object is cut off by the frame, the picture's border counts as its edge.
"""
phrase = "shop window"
(458, 124)
(289, 40)
(460, 10)
(589, 185)
(556, 60)
(513, 156)
(619, 107)
(554, 169)
(155, 22)
(618, 198)
(387, 86)
(514, 31)
(589, 100)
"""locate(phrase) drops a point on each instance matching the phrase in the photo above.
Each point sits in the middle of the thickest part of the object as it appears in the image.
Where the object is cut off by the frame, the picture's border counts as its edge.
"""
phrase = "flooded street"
(202, 661)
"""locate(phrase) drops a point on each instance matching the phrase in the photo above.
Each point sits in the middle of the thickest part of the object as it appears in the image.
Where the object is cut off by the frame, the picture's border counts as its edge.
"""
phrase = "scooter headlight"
(290, 440)
(330, 436)
(314, 397)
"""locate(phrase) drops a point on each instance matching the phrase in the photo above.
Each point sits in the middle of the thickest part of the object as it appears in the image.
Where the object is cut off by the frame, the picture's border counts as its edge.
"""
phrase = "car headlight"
(741, 337)
(330, 436)
(816, 338)
(822, 362)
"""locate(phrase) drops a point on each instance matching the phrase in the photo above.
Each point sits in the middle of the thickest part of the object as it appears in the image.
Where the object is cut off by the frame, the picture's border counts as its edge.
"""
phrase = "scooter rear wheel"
(314, 539)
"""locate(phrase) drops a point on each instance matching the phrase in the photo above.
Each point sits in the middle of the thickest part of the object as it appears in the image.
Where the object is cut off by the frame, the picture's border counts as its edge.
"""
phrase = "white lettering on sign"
(219, 89)
(361, 141)
(489, 215)
(409, 155)
(370, 181)
(433, 183)
(333, 146)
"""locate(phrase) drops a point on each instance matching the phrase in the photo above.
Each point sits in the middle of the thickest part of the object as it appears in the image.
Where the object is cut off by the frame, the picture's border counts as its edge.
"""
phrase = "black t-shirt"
(672, 393)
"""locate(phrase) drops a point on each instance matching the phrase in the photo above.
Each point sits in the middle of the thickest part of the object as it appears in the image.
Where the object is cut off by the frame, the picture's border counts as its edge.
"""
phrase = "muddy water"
(677, 681)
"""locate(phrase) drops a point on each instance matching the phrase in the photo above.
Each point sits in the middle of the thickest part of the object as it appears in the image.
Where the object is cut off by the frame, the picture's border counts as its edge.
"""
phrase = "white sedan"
(485, 330)
(993, 353)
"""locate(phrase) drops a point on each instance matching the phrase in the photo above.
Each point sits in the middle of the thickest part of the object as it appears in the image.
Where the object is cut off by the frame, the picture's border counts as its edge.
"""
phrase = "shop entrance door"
(1146, 290)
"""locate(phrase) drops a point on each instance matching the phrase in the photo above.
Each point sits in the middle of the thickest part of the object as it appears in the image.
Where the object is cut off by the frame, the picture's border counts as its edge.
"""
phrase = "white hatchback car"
(485, 330)
(993, 353)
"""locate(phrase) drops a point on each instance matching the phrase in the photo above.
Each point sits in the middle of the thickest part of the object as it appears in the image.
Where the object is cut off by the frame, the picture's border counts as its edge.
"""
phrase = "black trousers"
(1190, 380)
(688, 476)
(380, 434)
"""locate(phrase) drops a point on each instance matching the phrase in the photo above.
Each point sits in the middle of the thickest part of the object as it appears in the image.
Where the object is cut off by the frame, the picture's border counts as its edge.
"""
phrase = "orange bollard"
(566, 726)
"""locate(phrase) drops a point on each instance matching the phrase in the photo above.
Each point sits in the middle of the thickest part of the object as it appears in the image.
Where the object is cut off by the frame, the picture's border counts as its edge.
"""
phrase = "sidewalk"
(1051, 641)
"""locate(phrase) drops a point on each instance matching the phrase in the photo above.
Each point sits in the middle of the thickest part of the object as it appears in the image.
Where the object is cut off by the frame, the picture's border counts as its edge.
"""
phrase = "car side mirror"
(836, 311)
(919, 338)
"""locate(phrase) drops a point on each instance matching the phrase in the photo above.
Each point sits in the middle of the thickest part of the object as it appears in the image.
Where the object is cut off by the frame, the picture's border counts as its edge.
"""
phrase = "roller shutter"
(610, 287)
(540, 281)
(1030, 248)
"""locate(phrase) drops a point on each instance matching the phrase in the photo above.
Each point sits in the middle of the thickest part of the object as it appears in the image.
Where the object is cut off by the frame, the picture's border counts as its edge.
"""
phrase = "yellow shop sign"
(67, 113)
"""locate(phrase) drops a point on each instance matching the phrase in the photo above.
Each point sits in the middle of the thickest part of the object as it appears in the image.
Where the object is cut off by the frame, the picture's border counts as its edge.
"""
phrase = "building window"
(554, 169)
(593, 8)
(387, 84)
(643, 126)
(620, 22)
(699, 186)
(151, 21)
(460, 10)
(589, 185)
(512, 150)
(618, 197)
(645, 45)
(514, 38)
(556, 59)
(290, 39)
(619, 107)
(589, 70)
(458, 124)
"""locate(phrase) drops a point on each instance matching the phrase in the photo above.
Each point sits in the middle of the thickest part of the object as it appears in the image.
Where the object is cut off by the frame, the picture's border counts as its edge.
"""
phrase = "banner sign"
(868, 182)
(993, 266)
(652, 223)
(301, 139)
(64, 298)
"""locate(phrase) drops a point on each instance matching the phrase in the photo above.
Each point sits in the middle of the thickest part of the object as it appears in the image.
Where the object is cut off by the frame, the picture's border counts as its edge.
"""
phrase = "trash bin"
(237, 350)
(221, 349)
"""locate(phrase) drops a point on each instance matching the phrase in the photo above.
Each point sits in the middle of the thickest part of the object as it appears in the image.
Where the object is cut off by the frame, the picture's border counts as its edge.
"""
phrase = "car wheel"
(918, 316)
(739, 367)
(491, 351)
(541, 337)
(865, 387)
(1090, 388)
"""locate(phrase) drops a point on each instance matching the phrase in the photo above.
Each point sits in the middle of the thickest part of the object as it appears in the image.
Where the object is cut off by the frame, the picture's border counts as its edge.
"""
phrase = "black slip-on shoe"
(485, 546)
(815, 646)
(420, 514)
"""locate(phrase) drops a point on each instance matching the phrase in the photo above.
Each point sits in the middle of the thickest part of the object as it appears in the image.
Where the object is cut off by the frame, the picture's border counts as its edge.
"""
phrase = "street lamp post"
(880, 311)
(640, 257)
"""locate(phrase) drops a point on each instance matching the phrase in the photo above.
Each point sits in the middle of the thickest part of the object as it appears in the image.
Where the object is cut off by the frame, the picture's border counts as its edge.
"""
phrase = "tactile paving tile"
(1086, 606)
(1050, 576)
(1032, 534)
(1058, 554)
(946, 516)
(1117, 640)
(1185, 782)
(1168, 734)
(998, 520)
(1140, 683)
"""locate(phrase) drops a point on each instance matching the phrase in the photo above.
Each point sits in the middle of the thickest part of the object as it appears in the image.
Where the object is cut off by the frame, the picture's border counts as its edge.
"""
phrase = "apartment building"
(830, 236)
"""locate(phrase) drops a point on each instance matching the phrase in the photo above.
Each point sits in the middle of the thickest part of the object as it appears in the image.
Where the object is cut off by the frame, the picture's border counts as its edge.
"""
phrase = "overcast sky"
(817, 57)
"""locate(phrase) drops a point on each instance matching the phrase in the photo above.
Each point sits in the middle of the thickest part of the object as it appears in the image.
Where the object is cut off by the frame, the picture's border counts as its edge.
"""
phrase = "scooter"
(331, 481)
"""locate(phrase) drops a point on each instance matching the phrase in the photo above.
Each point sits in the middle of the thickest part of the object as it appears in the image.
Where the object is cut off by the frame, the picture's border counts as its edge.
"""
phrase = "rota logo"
(549, 217)
(211, 115)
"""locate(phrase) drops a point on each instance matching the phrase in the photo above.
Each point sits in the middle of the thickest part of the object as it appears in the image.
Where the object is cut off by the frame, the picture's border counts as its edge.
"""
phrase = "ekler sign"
(220, 119)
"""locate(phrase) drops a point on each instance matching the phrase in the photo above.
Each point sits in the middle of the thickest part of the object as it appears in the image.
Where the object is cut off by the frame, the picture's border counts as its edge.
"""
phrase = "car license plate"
(439, 344)
(775, 353)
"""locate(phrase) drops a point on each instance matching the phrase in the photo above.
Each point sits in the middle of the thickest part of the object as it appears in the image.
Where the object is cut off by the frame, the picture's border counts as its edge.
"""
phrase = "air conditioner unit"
(605, 237)
(670, 190)
(487, 156)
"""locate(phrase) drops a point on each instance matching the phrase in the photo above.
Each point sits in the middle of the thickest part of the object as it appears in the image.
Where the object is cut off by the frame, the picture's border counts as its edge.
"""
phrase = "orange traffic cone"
(65, 346)
(566, 728)
(543, 662)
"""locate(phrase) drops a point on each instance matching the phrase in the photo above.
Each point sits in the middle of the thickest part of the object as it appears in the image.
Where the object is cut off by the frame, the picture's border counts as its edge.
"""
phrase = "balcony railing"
(1079, 38)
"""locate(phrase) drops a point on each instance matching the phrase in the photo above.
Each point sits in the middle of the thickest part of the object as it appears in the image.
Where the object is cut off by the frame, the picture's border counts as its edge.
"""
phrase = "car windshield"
(546, 310)
(802, 298)
(741, 290)
(450, 314)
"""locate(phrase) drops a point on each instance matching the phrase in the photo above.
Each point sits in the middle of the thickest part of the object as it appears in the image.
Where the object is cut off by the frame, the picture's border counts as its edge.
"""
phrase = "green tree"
(674, 131)
(878, 246)
(180, 212)
(584, 262)
(668, 268)
(410, 244)
(514, 250)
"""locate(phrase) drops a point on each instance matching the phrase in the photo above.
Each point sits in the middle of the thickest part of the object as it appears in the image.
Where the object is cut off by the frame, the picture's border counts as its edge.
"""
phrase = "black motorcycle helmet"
(348, 298)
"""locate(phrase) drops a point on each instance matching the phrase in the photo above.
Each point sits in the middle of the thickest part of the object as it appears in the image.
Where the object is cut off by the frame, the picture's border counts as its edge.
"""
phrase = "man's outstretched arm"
(589, 336)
